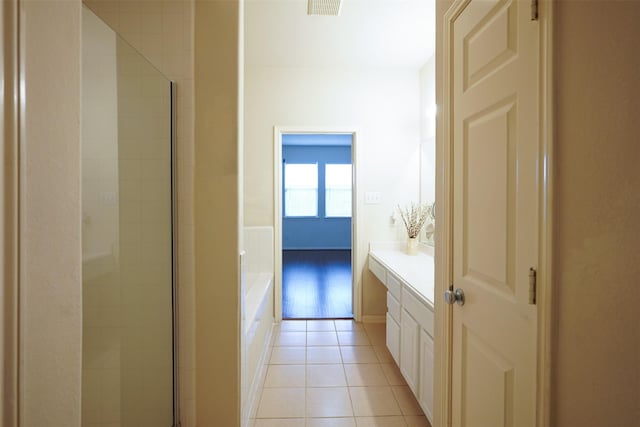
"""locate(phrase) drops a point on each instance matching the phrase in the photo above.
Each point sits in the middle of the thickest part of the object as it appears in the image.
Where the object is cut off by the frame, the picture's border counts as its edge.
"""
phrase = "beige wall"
(381, 105)
(217, 202)
(163, 32)
(51, 299)
(597, 214)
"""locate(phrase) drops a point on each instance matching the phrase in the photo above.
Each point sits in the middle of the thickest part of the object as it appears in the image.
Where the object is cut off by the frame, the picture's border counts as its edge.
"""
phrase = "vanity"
(409, 280)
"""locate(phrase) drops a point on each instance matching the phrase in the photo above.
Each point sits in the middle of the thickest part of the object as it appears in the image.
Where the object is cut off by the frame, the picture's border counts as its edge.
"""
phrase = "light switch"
(372, 197)
(109, 198)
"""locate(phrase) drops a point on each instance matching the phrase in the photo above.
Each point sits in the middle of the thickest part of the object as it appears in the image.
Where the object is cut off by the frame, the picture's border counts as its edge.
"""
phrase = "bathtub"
(258, 301)
(256, 277)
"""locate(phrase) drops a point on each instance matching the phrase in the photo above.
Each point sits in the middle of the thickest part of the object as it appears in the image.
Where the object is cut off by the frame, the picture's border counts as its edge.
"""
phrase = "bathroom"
(380, 100)
(209, 169)
(385, 100)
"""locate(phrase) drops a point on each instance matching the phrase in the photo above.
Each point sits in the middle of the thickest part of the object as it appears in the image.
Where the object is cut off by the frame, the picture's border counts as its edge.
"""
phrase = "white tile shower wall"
(258, 244)
(163, 32)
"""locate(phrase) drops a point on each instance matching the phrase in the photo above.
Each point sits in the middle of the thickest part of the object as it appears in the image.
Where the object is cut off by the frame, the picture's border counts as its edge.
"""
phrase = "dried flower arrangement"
(414, 218)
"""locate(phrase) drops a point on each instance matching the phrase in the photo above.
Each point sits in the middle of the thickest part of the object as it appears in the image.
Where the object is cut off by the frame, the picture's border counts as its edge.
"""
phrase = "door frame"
(278, 131)
(10, 124)
(444, 231)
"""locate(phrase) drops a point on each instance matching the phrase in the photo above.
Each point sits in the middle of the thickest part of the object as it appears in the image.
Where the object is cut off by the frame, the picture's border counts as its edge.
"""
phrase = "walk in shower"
(129, 357)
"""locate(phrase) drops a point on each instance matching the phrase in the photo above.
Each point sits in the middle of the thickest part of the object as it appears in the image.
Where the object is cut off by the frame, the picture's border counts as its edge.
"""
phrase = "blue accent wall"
(318, 232)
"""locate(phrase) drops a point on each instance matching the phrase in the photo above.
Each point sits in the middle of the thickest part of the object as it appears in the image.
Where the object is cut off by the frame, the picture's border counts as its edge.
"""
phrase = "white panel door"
(494, 67)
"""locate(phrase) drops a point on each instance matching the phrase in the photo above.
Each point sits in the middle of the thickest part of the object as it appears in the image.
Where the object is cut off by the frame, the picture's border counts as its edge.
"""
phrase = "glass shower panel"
(128, 341)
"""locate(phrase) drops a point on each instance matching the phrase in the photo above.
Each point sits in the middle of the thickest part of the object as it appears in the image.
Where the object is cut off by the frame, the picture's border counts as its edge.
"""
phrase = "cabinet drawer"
(394, 285)
(419, 311)
(393, 307)
(378, 270)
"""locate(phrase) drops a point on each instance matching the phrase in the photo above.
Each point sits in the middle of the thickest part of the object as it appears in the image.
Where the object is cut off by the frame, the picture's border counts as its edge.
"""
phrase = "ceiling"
(368, 33)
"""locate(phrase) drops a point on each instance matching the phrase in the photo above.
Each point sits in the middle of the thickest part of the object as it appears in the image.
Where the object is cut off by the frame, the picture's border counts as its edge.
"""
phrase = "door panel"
(393, 338)
(491, 43)
(485, 372)
(494, 96)
(426, 375)
(489, 174)
(409, 348)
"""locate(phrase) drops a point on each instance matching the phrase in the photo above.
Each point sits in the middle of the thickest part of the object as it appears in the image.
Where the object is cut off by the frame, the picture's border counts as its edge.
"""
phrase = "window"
(301, 189)
(338, 190)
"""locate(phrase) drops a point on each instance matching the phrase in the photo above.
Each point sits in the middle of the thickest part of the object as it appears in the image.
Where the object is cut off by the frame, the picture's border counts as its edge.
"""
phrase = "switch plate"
(372, 197)
(109, 198)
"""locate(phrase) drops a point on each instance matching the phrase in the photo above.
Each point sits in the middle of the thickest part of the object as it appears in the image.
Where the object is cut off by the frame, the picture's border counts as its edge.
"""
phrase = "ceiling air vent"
(324, 7)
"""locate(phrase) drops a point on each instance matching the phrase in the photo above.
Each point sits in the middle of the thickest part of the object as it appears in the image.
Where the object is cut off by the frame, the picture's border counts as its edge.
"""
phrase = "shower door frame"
(9, 217)
(174, 255)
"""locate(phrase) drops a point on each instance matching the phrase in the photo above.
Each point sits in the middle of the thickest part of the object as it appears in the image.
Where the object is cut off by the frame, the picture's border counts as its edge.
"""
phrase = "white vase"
(412, 246)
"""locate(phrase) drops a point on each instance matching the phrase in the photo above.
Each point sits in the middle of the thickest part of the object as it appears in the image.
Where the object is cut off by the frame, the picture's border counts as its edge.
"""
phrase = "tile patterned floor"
(334, 373)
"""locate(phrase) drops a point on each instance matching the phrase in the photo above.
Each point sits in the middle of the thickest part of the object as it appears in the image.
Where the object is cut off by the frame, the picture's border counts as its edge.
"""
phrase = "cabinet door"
(426, 375)
(409, 350)
(393, 338)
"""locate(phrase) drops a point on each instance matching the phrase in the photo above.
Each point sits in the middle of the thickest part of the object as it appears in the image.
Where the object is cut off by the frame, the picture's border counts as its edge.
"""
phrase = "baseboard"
(376, 318)
(258, 381)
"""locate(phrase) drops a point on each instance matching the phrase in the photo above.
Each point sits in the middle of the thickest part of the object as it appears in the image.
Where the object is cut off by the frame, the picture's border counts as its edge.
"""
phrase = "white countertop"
(416, 271)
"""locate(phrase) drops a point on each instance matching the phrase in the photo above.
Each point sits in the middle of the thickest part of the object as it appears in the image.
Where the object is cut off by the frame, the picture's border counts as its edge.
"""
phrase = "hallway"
(334, 373)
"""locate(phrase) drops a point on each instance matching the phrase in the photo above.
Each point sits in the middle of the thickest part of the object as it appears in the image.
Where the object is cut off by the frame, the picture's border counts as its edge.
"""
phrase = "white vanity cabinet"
(409, 334)
(393, 306)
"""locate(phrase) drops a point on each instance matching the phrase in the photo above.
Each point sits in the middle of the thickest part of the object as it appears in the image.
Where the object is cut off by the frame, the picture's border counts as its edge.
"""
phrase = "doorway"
(495, 229)
(315, 197)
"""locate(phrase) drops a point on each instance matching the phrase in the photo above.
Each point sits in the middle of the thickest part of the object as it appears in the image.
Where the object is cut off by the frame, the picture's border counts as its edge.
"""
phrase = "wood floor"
(316, 284)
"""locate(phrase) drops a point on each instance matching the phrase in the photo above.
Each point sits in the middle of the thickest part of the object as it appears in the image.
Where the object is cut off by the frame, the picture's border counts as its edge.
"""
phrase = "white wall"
(50, 237)
(428, 131)
(381, 105)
